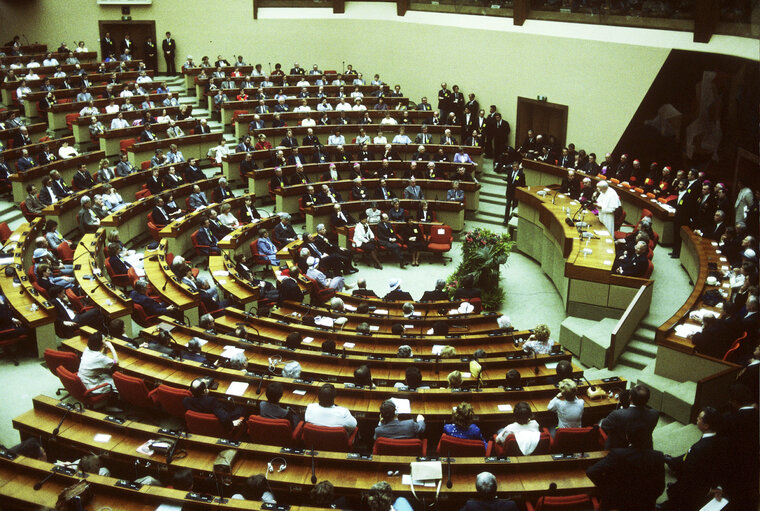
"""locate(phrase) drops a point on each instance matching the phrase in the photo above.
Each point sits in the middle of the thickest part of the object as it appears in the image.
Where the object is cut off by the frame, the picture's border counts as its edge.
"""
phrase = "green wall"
(601, 82)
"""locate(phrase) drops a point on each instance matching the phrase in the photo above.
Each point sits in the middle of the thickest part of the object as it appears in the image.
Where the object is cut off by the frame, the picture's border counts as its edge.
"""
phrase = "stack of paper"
(237, 388)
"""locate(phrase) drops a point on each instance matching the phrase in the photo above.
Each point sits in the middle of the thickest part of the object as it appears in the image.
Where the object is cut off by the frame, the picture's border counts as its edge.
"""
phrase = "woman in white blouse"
(525, 429)
(539, 341)
(227, 218)
(364, 238)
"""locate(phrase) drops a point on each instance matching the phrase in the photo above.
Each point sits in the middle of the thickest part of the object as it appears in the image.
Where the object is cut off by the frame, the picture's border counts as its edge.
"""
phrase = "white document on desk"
(402, 405)
(714, 505)
(237, 388)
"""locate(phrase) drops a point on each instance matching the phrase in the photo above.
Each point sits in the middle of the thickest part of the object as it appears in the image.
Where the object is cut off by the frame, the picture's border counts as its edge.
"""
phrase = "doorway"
(138, 31)
(543, 118)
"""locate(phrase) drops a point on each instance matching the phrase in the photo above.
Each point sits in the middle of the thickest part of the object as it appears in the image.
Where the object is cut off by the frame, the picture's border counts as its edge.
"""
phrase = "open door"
(543, 118)
(139, 32)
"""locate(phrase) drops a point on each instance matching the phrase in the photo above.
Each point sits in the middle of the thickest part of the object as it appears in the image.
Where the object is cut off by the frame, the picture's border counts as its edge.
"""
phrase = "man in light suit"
(124, 167)
(618, 421)
(413, 191)
(197, 199)
(207, 238)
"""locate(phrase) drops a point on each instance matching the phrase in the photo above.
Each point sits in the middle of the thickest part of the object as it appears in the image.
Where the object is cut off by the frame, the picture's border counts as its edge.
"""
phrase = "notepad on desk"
(307, 340)
(505, 408)
(402, 405)
(237, 388)
(102, 438)
(380, 311)
(220, 273)
(406, 479)
(551, 365)
(299, 392)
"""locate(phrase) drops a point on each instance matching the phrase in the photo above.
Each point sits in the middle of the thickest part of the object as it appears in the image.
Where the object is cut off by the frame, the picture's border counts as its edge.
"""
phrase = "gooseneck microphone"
(258, 386)
(313, 472)
(448, 466)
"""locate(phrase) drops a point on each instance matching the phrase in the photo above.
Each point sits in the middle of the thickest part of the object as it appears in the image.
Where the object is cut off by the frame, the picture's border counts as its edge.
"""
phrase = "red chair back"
(734, 347)
(65, 253)
(581, 502)
(5, 232)
(461, 447)
(55, 359)
(126, 144)
(77, 390)
(570, 440)
(132, 390)
(440, 234)
(327, 438)
(650, 269)
(262, 430)
(41, 290)
(141, 317)
(70, 118)
(205, 424)
(28, 215)
(170, 399)
(145, 165)
(400, 446)
(141, 194)
(121, 280)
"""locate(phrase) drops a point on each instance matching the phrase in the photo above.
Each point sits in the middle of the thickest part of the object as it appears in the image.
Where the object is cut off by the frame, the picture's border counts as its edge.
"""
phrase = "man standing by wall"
(169, 47)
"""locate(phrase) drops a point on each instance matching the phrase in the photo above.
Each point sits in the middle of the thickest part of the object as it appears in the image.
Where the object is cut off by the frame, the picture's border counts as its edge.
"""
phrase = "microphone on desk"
(554, 198)
(57, 429)
(448, 466)
(344, 353)
(45, 479)
(165, 284)
(258, 386)
(313, 472)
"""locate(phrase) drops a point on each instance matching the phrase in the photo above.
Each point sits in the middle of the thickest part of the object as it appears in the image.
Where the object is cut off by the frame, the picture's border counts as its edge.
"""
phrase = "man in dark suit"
(703, 467)
(326, 246)
(159, 213)
(228, 414)
(127, 44)
(395, 292)
(107, 46)
(283, 233)
(636, 263)
(488, 133)
(146, 135)
(201, 128)
(218, 229)
(328, 196)
(389, 239)
(444, 101)
(289, 140)
(309, 198)
(170, 52)
(741, 430)
(486, 487)
(684, 205)
(82, 179)
(22, 138)
(362, 291)
(277, 182)
(437, 294)
(717, 228)
(67, 321)
(338, 218)
(25, 162)
(571, 185)
(207, 238)
(630, 478)
(617, 422)
(335, 263)
(382, 192)
(297, 70)
(289, 288)
(515, 178)
(500, 131)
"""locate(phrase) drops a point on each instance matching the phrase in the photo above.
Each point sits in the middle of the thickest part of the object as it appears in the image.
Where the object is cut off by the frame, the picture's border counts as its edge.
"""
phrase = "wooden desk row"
(7, 135)
(11, 155)
(228, 109)
(57, 113)
(31, 100)
(434, 190)
(316, 365)
(18, 476)
(80, 126)
(526, 475)
(31, 307)
(110, 141)
(29, 56)
(435, 404)
(191, 146)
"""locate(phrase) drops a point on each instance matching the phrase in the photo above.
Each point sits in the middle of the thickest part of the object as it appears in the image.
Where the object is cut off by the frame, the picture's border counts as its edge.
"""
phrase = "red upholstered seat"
(170, 399)
(570, 440)
(262, 430)
(133, 390)
(449, 445)
(75, 387)
(400, 446)
(328, 439)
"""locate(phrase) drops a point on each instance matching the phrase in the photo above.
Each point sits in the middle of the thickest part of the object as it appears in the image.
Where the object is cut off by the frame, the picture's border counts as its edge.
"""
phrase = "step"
(644, 349)
(634, 360)
(644, 334)
(595, 343)
(571, 333)
(678, 400)
(656, 384)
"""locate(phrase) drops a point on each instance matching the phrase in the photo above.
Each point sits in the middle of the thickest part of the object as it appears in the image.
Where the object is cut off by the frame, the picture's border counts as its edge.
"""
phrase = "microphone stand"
(313, 472)
(449, 484)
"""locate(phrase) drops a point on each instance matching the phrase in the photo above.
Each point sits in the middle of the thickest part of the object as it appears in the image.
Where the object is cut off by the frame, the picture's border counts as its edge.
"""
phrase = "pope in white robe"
(607, 202)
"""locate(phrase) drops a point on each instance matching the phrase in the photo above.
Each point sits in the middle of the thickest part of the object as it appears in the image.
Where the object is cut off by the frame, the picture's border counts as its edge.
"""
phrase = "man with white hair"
(437, 294)
(637, 263)
(607, 202)
(486, 487)
(283, 233)
(87, 219)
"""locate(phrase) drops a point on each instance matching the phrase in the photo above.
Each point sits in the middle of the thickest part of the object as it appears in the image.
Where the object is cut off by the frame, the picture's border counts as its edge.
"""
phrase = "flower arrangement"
(483, 254)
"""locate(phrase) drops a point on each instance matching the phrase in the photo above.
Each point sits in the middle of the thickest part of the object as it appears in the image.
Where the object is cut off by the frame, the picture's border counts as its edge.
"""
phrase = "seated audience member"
(323, 495)
(67, 321)
(46, 280)
(413, 379)
(614, 474)
(455, 194)
(361, 289)
(539, 341)
(389, 239)
(256, 488)
(364, 238)
(152, 306)
(567, 405)
(391, 427)
(227, 412)
(461, 425)
(617, 422)
(454, 380)
(467, 289)
(95, 368)
(363, 377)
(486, 487)
(513, 380)
(564, 370)
(326, 413)
(437, 294)
(571, 185)
(634, 264)
(271, 408)
(30, 448)
(206, 238)
(380, 498)
(404, 351)
(395, 292)
(283, 232)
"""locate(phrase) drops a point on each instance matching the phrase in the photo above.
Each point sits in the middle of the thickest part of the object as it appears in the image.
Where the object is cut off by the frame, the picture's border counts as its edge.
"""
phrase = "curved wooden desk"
(584, 281)
(191, 146)
(538, 173)
(67, 168)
